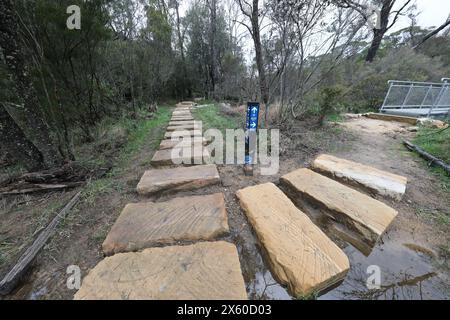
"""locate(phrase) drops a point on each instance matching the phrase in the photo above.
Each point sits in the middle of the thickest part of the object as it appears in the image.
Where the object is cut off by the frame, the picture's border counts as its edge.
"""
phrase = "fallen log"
(32, 188)
(10, 281)
(433, 160)
(71, 172)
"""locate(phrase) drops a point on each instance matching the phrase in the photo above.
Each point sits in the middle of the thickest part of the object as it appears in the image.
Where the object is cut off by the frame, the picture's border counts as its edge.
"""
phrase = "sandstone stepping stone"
(375, 180)
(147, 224)
(188, 127)
(181, 133)
(390, 117)
(360, 213)
(189, 103)
(196, 154)
(181, 113)
(300, 255)
(181, 118)
(175, 179)
(183, 107)
(182, 123)
(202, 271)
(169, 143)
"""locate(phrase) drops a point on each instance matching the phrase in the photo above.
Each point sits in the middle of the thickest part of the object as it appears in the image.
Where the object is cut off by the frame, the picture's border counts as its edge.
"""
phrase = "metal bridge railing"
(424, 99)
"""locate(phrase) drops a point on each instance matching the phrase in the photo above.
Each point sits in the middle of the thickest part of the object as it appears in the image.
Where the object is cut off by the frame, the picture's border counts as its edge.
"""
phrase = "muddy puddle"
(406, 274)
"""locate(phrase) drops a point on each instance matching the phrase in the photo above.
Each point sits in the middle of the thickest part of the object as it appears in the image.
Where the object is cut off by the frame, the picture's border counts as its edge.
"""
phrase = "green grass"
(335, 117)
(38, 221)
(138, 132)
(437, 216)
(212, 117)
(437, 143)
(445, 250)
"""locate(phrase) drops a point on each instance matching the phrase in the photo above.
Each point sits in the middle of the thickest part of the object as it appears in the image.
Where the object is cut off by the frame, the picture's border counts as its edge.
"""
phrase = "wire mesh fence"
(423, 99)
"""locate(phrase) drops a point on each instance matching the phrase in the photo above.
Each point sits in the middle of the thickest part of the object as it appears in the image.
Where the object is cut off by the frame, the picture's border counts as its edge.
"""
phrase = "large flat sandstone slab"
(301, 256)
(375, 180)
(188, 127)
(188, 155)
(390, 117)
(181, 113)
(361, 213)
(182, 123)
(186, 104)
(182, 108)
(192, 142)
(181, 118)
(182, 133)
(146, 224)
(175, 179)
(203, 271)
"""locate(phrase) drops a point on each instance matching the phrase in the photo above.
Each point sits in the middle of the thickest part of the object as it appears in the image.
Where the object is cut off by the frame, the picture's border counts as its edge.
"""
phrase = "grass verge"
(437, 143)
(138, 135)
(212, 117)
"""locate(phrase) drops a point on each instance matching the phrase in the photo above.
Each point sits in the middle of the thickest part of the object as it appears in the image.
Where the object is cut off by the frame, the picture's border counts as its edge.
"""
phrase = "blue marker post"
(251, 127)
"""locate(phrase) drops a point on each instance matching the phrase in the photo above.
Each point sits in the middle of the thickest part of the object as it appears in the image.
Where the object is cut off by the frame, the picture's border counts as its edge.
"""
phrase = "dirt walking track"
(199, 239)
(206, 231)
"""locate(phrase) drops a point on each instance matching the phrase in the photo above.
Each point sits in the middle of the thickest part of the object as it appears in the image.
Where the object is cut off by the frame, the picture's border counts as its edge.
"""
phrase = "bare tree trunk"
(385, 25)
(17, 144)
(212, 46)
(433, 33)
(375, 45)
(15, 61)
(259, 57)
(181, 45)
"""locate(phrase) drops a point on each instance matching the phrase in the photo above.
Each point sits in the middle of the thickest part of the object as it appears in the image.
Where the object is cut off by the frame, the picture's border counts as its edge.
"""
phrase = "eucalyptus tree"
(388, 11)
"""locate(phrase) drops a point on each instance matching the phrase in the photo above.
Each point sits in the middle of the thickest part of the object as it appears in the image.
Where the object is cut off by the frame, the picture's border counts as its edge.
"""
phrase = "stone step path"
(147, 224)
(202, 271)
(183, 133)
(182, 123)
(169, 144)
(189, 155)
(300, 255)
(356, 174)
(182, 118)
(184, 151)
(176, 179)
(188, 127)
(360, 213)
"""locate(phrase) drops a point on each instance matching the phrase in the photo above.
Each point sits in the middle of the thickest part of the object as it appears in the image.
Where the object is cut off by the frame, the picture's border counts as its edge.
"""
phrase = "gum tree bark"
(259, 54)
(388, 18)
(14, 140)
(251, 11)
(212, 53)
(16, 63)
(182, 54)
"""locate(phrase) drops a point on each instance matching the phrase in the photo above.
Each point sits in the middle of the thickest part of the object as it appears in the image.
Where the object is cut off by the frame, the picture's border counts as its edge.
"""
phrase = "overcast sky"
(432, 13)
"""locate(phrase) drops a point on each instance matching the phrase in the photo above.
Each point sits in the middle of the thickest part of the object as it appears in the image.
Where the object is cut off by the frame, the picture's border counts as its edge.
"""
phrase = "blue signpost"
(250, 136)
